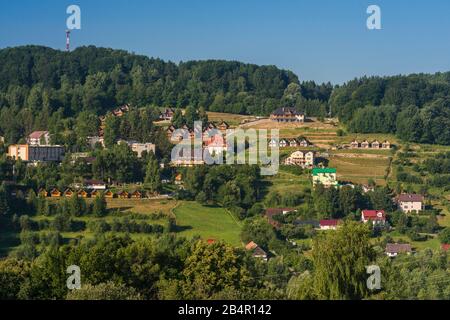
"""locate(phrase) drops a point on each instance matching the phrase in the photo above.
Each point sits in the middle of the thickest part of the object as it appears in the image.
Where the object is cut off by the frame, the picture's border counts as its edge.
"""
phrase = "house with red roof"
(257, 251)
(330, 224)
(39, 138)
(445, 246)
(374, 216)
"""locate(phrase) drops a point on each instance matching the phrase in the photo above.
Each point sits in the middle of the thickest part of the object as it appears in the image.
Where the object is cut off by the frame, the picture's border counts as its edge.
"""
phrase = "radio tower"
(67, 40)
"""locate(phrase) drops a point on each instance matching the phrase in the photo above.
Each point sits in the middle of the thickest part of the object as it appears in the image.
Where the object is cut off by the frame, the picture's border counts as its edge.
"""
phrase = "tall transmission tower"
(67, 40)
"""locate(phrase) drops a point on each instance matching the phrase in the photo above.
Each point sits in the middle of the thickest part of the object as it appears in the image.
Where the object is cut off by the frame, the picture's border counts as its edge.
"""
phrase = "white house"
(39, 138)
(410, 202)
(300, 158)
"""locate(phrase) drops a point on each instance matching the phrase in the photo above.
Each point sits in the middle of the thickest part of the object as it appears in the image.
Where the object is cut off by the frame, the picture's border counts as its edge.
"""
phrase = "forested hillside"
(415, 107)
(97, 79)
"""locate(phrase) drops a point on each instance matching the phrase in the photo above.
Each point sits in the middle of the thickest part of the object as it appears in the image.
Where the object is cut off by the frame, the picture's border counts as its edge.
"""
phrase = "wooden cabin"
(83, 194)
(95, 193)
(179, 179)
(55, 193)
(109, 194)
(137, 195)
(42, 193)
(386, 145)
(68, 193)
(123, 195)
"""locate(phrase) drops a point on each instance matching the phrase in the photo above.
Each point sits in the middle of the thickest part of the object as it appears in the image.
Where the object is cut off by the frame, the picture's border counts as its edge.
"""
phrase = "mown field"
(207, 222)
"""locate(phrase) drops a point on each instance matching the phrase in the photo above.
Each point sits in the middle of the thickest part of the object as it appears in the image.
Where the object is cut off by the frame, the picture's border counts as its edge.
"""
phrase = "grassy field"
(207, 222)
(359, 170)
(232, 119)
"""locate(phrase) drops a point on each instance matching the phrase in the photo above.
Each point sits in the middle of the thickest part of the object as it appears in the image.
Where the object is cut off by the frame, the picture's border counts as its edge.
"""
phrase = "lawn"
(207, 222)
(359, 170)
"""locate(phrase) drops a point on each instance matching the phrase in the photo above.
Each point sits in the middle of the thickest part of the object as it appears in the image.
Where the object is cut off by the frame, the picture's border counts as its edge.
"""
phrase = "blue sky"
(321, 40)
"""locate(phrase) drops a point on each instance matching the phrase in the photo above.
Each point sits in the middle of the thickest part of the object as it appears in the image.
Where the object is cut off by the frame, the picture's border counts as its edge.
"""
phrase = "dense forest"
(96, 79)
(415, 107)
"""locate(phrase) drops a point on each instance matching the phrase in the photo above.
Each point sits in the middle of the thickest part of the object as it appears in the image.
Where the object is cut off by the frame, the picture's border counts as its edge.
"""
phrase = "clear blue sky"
(321, 40)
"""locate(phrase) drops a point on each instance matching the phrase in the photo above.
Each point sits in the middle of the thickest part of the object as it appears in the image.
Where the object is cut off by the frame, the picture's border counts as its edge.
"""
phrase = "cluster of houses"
(355, 144)
(213, 141)
(118, 112)
(211, 129)
(167, 114)
(287, 114)
(295, 142)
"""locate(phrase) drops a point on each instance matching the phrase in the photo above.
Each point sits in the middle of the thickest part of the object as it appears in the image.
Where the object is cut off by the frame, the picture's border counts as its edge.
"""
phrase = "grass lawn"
(207, 222)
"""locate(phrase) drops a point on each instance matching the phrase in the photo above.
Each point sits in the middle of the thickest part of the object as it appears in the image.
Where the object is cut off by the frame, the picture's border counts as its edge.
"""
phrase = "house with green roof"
(325, 176)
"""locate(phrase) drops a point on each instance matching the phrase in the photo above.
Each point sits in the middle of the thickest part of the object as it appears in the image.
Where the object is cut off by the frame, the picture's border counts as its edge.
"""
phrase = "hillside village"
(302, 153)
(88, 176)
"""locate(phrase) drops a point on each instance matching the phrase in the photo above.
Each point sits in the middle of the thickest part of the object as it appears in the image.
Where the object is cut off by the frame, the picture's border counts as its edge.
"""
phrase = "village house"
(138, 147)
(95, 193)
(354, 144)
(120, 111)
(83, 194)
(39, 138)
(55, 193)
(216, 144)
(123, 195)
(42, 193)
(375, 144)
(93, 184)
(31, 153)
(137, 195)
(2, 139)
(93, 141)
(445, 247)
(109, 194)
(273, 143)
(365, 144)
(179, 179)
(394, 249)
(286, 114)
(330, 224)
(410, 202)
(366, 188)
(377, 217)
(300, 158)
(223, 126)
(386, 145)
(167, 114)
(304, 143)
(283, 143)
(293, 143)
(68, 193)
(257, 251)
(325, 176)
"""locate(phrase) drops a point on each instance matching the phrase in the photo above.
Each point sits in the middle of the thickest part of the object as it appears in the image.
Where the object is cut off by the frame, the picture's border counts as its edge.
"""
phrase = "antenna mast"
(67, 40)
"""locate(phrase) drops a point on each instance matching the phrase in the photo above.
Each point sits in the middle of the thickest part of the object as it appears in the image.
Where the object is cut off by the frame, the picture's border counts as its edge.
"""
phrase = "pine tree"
(153, 174)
